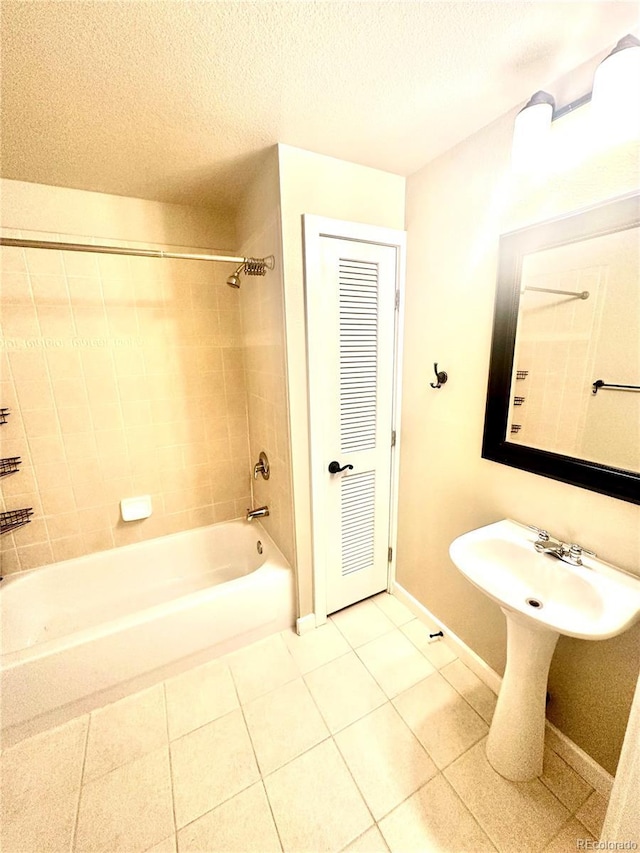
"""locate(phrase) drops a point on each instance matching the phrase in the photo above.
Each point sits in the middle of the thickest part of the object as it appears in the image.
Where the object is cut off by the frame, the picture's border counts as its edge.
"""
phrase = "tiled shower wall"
(263, 327)
(124, 376)
(261, 301)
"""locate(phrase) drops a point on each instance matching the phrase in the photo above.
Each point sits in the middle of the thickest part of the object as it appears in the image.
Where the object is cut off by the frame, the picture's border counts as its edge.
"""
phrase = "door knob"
(334, 467)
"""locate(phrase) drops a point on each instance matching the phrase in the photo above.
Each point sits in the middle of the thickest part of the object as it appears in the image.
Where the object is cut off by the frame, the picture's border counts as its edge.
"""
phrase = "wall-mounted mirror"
(564, 380)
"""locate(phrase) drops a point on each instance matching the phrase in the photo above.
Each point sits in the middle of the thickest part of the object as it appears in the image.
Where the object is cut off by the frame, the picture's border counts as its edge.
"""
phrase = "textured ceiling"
(176, 99)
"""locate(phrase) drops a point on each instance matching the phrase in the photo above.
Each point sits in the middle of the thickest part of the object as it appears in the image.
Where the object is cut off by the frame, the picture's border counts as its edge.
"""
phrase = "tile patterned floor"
(359, 736)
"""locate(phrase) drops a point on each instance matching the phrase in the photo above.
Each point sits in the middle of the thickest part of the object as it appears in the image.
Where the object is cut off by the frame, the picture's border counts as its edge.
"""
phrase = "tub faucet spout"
(260, 512)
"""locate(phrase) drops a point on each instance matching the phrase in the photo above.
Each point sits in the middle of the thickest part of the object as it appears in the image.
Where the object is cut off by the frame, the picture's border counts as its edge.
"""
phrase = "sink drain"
(533, 602)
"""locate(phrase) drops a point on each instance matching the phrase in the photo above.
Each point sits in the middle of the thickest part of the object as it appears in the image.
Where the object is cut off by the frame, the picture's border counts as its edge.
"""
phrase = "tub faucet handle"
(262, 467)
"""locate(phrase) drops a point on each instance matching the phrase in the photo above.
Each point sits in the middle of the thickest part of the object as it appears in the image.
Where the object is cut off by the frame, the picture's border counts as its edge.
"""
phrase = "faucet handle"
(577, 551)
(543, 535)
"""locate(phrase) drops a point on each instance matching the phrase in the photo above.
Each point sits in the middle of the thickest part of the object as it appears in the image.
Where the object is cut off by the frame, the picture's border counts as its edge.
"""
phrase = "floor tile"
(478, 695)
(435, 651)
(434, 819)
(570, 788)
(261, 667)
(392, 608)
(128, 809)
(284, 724)
(210, 765)
(169, 845)
(124, 731)
(394, 662)
(592, 813)
(315, 802)
(567, 840)
(370, 841)
(385, 758)
(362, 622)
(243, 824)
(316, 647)
(198, 696)
(440, 718)
(40, 784)
(517, 816)
(344, 691)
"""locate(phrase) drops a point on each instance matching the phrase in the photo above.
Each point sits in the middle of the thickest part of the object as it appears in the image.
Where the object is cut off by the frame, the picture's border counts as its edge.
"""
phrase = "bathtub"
(84, 632)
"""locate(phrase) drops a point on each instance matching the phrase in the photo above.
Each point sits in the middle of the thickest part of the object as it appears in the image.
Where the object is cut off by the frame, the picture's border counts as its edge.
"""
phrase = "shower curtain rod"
(117, 250)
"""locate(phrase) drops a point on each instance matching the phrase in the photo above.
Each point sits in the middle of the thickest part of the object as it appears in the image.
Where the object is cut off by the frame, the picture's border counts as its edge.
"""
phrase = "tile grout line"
(255, 757)
(81, 786)
(572, 812)
(559, 832)
(166, 724)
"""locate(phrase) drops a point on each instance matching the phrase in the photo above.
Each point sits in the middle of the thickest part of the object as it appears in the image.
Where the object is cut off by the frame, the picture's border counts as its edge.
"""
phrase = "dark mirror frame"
(618, 214)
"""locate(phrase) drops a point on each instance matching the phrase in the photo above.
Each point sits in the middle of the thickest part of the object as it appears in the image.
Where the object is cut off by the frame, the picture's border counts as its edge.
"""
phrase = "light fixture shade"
(616, 93)
(531, 133)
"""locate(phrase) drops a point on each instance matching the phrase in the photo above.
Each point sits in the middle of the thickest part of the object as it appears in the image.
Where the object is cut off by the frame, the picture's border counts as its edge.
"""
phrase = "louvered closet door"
(356, 372)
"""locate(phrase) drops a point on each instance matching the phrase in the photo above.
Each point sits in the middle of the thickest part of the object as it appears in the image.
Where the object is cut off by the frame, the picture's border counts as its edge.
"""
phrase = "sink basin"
(594, 601)
(541, 597)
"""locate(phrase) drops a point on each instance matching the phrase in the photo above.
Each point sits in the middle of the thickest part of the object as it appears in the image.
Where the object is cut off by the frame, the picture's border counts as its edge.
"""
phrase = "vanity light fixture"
(531, 132)
(616, 92)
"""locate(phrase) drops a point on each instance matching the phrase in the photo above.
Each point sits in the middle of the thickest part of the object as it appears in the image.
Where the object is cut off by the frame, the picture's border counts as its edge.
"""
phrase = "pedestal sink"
(542, 597)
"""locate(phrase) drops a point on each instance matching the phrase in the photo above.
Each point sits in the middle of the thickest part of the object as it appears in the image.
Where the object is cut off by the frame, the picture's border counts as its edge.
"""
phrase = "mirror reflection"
(579, 324)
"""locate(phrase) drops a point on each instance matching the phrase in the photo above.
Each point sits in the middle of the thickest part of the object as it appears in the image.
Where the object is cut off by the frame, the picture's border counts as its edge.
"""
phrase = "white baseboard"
(581, 762)
(304, 624)
(577, 758)
(475, 663)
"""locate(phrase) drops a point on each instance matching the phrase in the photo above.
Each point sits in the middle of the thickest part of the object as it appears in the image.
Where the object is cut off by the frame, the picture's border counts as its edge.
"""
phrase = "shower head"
(251, 266)
(234, 279)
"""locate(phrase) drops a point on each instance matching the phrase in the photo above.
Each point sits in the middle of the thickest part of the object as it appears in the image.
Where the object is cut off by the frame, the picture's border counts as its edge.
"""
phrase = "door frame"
(314, 228)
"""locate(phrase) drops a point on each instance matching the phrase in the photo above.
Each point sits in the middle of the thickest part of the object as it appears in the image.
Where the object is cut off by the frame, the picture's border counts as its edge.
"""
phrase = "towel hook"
(441, 376)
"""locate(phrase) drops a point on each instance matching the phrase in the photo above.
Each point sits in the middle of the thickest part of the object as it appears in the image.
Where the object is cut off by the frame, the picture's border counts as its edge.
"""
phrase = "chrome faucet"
(260, 512)
(546, 544)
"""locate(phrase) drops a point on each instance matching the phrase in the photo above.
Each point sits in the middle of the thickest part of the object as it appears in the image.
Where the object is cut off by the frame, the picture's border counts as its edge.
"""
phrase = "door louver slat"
(358, 521)
(358, 307)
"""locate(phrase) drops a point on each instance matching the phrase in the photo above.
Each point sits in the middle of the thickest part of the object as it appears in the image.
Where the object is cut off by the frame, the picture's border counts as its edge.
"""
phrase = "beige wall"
(315, 184)
(262, 308)
(122, 375)
(456, 208)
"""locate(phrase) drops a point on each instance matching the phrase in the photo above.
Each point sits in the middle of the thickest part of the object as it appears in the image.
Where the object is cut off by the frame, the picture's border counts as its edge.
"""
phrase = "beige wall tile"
(34, 394)
(69, 393)
(32, 556)
(56, 321)
(28, 366)
(40, 422)
(41, 262)
(67, 548)
(57, 500)
(16, 289)
(62, 525)
(9, 562)
(127, 395)
(46, 449)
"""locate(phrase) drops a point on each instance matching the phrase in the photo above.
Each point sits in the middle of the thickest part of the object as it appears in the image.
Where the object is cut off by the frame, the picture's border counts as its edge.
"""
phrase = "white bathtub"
(84, 632)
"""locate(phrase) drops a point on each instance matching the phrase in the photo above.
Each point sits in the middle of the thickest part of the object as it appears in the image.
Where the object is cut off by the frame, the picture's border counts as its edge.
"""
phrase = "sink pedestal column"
(515, 746)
